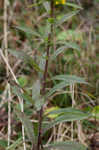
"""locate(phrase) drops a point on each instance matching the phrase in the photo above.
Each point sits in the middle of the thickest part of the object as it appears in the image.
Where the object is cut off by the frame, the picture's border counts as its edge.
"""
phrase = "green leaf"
(3, 143)
(36, 90)
(27, 97)
(28, 126)
(57, 87)
(95, 112)
(38, 100)
(66, 117)
(67, 145)
(35, 4)
(63, 48)
(72, 45)
(65, 110)
(70, 79)
(26, 58)
(47, 31)
(65, 18)
(15, 144)
(74, 5)
(58, 51)
(39, 103)
(23, 80)
(42, 65)
(65, 81)
(71, 35)
(47, 6)
(51, 20)
(28, 30)
(24, 95)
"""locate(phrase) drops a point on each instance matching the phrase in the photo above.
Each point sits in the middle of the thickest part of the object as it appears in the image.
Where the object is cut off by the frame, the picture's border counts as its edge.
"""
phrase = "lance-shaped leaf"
(71, 79)
(28, 30)
(36, 90)
(28, 126)
(58, 51)
(63, 48)
(65, 81)
(57, 87)
(74, 5)
(65, 18)
(60, 111)
(47, 6)
(71, 115)
(42, 65)
(67, 145)
(70, 35)
(38, 100)
(26, 58)
(17, 91)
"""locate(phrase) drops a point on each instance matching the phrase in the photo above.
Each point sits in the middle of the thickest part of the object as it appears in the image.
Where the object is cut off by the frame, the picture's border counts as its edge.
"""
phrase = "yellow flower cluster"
(57, 2)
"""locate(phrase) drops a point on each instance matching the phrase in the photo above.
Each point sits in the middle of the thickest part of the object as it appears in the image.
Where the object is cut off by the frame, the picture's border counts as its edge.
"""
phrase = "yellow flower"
(57, 2)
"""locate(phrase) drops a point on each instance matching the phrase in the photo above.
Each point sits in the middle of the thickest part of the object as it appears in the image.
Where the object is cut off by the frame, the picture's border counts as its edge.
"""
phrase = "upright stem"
(43, 91)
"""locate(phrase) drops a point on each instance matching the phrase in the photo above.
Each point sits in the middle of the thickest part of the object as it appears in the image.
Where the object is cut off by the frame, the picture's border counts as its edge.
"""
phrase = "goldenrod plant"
(48, 90)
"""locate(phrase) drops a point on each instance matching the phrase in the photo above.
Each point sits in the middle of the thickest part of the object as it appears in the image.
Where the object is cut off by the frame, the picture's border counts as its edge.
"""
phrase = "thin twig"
(5, 31)
(9, 113)
(7, 71)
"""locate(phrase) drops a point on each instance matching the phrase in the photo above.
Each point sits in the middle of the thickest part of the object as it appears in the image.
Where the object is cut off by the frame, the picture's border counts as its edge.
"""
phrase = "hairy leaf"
(57, 87)
(26, 58)
(71, 79)
(64, 47)
(28, 126)
(28, 30)
(66, 117)
(71, 35)
(67, 145)
(38, 100)
(66, 17)
(65, 110)
(47, 6)
(36, 90)
(74, 5)
(24, 95)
